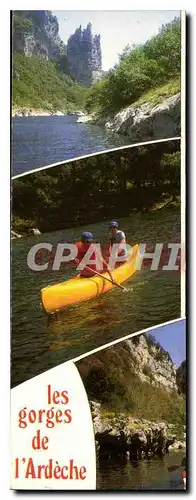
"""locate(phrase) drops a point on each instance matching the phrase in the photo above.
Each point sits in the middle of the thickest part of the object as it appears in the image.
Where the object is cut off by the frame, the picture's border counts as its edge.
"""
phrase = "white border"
(127, 337)
(5, 200)
(101, 5)
(183, 161)
(63, 162)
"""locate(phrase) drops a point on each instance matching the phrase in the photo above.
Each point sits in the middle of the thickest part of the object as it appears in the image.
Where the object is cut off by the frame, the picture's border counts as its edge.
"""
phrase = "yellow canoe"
(78, 289)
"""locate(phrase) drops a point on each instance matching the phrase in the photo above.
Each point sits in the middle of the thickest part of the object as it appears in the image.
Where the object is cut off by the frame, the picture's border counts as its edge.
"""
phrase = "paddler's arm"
(108, 269)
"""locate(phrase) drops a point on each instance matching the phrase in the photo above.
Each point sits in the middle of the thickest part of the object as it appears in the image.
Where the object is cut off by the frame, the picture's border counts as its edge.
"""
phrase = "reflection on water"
(144, 474)
(39, 343)
(43, 140)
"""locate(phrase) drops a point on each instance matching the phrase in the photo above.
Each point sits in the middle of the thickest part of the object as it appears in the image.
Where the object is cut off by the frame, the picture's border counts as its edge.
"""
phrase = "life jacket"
(82, 249)
(184, 479)
(118, 238)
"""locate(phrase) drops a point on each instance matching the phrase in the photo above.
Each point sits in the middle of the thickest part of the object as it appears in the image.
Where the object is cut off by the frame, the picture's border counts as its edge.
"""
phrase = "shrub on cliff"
(181, 377)
(159, 353)
(20, 23)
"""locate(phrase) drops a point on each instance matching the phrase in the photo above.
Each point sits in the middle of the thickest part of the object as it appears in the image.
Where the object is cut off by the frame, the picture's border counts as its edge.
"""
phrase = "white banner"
(52, 438)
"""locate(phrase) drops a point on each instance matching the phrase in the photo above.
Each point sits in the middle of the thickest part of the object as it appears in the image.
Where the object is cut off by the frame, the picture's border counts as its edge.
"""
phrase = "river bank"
(143, 119)
(26, 227)
(134, 438)
(148, 119)
(27, 111)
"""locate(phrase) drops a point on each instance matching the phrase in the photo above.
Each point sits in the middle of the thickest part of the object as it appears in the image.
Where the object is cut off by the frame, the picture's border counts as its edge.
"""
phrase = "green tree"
(170, 167)
(20, 23)
(140, 68)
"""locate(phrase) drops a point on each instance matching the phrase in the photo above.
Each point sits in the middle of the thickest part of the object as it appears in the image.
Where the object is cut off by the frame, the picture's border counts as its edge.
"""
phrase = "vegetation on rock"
(20, 23)
(161, 354)
(181, 377)
(111, 378)
(140, 69)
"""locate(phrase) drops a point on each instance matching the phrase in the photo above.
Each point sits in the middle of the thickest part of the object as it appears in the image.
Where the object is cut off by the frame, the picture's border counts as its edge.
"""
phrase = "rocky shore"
(140, 122)
(15, 235)
(31, 232)
(147, 121)
(22, 112)
(123, 436)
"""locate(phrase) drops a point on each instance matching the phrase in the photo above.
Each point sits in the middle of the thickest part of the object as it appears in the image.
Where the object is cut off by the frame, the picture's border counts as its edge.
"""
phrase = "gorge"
(137, 401)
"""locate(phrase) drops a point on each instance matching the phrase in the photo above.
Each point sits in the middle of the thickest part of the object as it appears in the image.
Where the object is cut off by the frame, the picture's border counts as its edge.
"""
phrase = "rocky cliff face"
(136, 408)
(151, 363)
(119, 369)
(37, 32)
(148, 121)
(84, 56)
(181, 377)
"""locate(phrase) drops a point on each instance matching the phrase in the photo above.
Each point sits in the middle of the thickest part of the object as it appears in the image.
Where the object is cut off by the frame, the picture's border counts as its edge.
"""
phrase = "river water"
(145, 474)
(39, 344)
(38, 141)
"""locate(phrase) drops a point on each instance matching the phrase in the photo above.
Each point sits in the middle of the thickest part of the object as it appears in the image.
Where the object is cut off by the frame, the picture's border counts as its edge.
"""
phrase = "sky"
(117, 28)
(173, 339)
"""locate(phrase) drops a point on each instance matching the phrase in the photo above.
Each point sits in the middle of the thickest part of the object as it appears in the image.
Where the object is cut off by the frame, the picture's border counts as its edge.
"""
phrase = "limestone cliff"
(84, 56)
(37, 32)
(139, 360)
(136, 407)
(181, 377)
(152, 363)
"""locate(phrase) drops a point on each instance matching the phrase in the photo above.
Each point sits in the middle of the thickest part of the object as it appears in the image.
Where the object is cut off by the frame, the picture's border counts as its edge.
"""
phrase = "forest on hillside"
(39, 83)
(140, 69)
(102, 186)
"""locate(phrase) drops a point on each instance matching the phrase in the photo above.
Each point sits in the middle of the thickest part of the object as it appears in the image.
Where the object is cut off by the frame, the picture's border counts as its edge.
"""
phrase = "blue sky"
(173, 339)
(117, 28)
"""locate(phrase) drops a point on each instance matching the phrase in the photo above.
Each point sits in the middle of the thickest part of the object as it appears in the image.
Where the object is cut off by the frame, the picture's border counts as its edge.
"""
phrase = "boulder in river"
(15, 235)
(36, 231)
(85, 119)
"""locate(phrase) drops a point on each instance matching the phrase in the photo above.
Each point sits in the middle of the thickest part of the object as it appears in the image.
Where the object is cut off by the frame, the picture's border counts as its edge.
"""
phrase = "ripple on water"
(39, 344)
(144, 474)
(42, 140)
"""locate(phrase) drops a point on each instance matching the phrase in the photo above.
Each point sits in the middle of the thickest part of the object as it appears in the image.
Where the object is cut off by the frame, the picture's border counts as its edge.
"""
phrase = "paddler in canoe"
(119, 253)
(97, 275)
(83, 246)
(118, 238)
